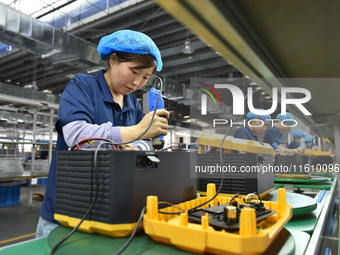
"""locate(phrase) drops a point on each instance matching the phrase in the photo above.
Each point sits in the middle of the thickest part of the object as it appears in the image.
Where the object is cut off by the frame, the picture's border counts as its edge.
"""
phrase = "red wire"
(80, 143)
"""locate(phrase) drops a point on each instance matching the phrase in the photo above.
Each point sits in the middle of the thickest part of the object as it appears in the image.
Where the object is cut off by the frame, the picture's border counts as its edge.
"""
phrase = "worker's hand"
(285, 151)
(159, 125)
(127, 147)
(302, 149)
(277, 152)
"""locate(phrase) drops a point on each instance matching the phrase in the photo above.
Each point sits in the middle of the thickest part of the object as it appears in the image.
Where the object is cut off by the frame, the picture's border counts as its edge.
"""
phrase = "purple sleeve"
(143, 145)
(79, 129)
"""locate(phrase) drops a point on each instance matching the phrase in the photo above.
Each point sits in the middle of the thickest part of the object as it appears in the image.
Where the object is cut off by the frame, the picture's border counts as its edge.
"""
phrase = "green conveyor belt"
(310, 180)
(324, 186)
(83, 243)
(305, 223)
(302, 238)
(301, 204)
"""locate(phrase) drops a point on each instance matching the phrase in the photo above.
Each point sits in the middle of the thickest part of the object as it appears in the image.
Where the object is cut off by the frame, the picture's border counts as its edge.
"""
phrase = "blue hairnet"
(251, 116)
(286, 117)
(129, 41)
(308, 138)
(298, 133)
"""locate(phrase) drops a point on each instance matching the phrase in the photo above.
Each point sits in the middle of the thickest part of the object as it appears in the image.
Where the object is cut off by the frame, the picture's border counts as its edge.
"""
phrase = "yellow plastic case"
(231, 143)
(89, 226)
(318, 153)
(252, 237)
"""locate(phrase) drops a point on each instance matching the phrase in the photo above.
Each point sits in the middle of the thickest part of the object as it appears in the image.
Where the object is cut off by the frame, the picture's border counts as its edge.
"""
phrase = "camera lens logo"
(204, 97)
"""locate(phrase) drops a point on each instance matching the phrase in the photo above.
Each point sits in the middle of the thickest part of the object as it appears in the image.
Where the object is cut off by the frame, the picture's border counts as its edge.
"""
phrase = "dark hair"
(147, 60)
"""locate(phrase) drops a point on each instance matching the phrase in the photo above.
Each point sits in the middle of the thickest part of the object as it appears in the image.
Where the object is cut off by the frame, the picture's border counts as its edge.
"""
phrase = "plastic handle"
(152, 98)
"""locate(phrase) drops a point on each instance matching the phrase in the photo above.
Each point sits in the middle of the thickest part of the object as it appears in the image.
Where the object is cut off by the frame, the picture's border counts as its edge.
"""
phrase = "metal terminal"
(153, 159)
(230, 214)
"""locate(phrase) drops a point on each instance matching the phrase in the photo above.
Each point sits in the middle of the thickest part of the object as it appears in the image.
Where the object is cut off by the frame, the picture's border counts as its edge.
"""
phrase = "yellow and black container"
(123, 180)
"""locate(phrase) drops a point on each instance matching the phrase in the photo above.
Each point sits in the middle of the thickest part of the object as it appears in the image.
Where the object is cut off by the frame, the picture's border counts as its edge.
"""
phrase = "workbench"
(304, 234)
(88, 244)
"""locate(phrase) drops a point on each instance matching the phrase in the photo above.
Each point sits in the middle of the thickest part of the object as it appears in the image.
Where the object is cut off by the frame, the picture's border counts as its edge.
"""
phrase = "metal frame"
(318, 239)
(231, 35)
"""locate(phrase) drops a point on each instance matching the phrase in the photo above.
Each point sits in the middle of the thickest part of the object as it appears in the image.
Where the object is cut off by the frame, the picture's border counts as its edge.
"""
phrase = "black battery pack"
(122, 180)
(242, 173)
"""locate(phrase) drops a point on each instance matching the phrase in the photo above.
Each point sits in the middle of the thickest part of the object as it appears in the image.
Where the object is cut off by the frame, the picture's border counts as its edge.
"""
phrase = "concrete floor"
(18, 222)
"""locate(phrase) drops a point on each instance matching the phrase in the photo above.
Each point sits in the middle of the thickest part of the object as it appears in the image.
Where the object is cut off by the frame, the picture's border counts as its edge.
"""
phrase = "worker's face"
(259, 126)
(125, 78)
(283, 127)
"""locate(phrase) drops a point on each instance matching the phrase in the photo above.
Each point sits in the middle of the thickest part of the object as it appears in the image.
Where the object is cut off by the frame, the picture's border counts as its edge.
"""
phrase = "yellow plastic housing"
(252, 237)
(231, 143)
(318, 153)
(89, 226)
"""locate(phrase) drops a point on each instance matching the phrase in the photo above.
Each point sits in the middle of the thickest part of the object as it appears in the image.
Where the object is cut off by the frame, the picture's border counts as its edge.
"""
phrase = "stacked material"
(40, 165)
(11, 167)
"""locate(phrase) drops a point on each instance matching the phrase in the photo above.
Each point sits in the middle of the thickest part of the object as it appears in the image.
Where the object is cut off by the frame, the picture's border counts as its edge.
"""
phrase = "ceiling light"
(94, 69)
(70, 76)
(187, 48)
(50, 53)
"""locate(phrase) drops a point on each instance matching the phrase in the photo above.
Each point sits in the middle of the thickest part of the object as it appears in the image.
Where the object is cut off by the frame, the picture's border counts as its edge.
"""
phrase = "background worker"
(103, 105)
(297, 135)
(258, 124)
(309, 142)
(273, 134)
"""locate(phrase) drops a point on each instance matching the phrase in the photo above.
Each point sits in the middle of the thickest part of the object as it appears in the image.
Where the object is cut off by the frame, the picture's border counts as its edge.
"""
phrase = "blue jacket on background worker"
(258, 124)
(309, 142)
(273, 134)
(297, 135)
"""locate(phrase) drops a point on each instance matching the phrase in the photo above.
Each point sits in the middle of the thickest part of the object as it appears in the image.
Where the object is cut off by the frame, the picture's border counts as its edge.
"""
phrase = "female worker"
(273, 134)
(103, 105)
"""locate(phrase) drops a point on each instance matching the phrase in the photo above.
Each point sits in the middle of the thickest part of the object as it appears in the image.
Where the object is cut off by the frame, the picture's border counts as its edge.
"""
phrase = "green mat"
(305, 223)
(301, 241)
(312, 179)
(82, 243)
(301, 204)
(320, 187)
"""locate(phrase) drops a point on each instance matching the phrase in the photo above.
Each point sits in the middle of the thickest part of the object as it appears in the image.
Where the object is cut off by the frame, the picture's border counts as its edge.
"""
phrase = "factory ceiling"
(47, 64)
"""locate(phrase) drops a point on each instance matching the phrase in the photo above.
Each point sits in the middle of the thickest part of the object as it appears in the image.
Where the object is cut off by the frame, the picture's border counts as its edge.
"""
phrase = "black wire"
(221, 161)
(146, 130)
(237, 194)
(171, 205)
(88, 210)
(90, 139)
(133, 233)
(108, 141)
(170, 147)
(222, 176)
(258, 196)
